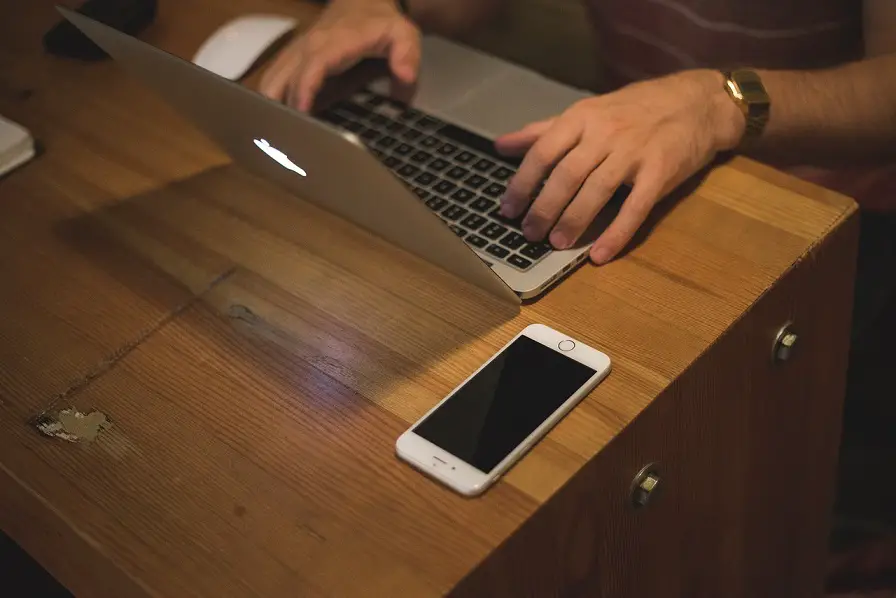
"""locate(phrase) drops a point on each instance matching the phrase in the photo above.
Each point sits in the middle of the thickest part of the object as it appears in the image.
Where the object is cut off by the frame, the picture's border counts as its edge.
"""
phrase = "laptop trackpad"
(481, 92)
(510, 101)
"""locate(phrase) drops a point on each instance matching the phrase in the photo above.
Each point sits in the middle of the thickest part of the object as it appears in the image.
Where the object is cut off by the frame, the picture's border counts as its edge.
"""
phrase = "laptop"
(423, 175)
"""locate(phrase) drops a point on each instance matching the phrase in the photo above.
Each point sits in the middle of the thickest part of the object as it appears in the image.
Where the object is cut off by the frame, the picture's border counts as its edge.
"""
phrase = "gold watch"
(746, 89)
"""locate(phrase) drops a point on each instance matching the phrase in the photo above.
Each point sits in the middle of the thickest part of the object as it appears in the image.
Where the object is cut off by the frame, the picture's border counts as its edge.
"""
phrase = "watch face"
(747, 90)
(750, 86)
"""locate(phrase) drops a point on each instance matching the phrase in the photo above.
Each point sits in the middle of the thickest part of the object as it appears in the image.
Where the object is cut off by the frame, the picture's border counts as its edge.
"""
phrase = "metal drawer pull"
(785, 343)
(645, 486)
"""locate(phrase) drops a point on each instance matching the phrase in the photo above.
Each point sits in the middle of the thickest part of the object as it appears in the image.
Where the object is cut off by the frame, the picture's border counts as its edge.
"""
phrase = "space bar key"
(476, 142)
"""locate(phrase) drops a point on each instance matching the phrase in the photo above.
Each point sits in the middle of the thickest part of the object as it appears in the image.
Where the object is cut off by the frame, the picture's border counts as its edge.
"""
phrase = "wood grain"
(258, 357)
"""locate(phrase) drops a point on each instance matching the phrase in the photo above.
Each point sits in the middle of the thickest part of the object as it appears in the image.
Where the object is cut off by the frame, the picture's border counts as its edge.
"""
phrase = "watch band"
(745, 88)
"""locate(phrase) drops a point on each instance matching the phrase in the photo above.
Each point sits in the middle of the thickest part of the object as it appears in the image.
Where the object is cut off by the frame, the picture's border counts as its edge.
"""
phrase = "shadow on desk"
(299, 286)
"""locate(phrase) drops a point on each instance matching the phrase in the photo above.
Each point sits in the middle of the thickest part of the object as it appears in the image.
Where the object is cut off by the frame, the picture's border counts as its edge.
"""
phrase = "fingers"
(275, 80)
(404, 63)
(540, 159)
(301, 70)
(404, 53)
(562, 185)
(326, 62)
(648, 188)
(599, 187)
(518, 142)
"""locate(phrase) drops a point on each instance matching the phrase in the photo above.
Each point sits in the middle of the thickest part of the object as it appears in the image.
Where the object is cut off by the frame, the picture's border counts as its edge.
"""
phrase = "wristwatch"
(745, 88)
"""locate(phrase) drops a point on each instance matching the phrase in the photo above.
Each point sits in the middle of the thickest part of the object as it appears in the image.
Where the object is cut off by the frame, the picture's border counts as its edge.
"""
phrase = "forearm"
(845, 115)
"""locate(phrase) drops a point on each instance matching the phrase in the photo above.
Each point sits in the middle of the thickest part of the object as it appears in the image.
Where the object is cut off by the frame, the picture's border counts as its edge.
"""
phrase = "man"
(828, 66)
(669, 115)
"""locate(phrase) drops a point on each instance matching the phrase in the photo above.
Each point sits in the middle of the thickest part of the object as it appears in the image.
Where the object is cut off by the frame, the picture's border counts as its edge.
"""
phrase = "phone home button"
(566, 345)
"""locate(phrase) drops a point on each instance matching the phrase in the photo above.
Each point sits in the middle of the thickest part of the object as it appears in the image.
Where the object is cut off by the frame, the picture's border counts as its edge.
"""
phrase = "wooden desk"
(257, 359)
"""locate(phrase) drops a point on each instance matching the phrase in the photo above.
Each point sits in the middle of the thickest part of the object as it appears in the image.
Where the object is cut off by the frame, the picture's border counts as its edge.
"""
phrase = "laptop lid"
(306, 156)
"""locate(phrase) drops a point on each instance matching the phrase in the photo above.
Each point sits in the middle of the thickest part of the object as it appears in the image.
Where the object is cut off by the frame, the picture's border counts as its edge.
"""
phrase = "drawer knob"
(785, 344)
(645, 486)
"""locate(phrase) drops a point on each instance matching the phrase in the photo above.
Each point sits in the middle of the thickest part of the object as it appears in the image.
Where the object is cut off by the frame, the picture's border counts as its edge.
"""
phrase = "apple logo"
(278, 156)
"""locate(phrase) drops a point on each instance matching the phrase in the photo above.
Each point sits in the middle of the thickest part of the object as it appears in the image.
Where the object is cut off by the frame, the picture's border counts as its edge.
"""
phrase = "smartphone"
(476, 433)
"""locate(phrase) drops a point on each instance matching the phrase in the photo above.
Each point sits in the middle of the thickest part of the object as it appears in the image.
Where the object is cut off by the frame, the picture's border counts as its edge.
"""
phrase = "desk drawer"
(746, 452)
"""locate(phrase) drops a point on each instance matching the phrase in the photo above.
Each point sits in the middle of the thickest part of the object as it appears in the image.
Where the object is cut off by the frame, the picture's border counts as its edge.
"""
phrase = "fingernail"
(560, 240)
(508, 209)
(602, 256)
(530, 231)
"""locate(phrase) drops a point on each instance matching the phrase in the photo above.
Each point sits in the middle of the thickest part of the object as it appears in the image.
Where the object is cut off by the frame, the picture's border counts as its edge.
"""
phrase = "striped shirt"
(640, 39)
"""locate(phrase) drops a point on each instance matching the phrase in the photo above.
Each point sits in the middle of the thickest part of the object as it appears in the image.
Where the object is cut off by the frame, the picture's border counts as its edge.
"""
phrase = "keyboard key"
(379, 155)
(408, 170)
(353, 109)
(436, 203)
(426, 179)
(483, 204)
(438, 165)
(477, 143)
(493, 231)
(409, 115)
(392, 162)
(412, 134)
(333, 118)
(463, 195)
(378, 120)
(394, 127)
(453, 212)
(483, 165)
(520, 262)
(498, 251)
(502, 174)
(420, 157)
(447, 149)
(475, 181)
(403, 149)
(536, 251)
(444, 187)
(428, 122)
(457, 173)
(474, 221)
(353, 126)
(370, 135)
(513, 240)
(361, 96)
(387, 142)
(421, 193)
(477, 241)
(458, 231)
(494, 190)
(464, 157)
(429, 142)
(516, 223)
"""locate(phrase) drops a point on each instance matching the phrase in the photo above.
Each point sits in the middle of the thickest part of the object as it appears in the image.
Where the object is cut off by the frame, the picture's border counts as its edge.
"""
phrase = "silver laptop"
(424, 176)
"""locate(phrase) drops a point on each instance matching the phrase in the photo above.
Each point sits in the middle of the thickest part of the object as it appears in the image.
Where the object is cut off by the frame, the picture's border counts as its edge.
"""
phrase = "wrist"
(728, 121)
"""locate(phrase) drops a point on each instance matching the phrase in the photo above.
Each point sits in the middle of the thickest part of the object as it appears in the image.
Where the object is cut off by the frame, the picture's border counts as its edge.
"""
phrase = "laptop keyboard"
(456, 173)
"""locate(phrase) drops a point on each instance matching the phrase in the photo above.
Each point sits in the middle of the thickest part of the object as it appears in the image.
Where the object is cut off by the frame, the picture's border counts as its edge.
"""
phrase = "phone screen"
(506, 401)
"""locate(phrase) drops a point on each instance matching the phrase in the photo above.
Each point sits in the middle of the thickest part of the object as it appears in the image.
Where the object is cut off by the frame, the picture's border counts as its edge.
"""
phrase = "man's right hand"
(347, 32)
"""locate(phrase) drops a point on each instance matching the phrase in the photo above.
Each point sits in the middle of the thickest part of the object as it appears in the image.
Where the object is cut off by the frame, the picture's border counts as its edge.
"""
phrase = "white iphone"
(476, 433)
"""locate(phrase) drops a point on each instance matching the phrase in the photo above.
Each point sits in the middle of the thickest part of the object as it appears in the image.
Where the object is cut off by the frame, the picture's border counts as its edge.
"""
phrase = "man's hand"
(653, 135)
(347, 32)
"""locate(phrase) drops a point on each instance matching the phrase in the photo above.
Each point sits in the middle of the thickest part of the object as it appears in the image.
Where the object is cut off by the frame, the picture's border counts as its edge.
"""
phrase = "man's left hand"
(653, 135)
